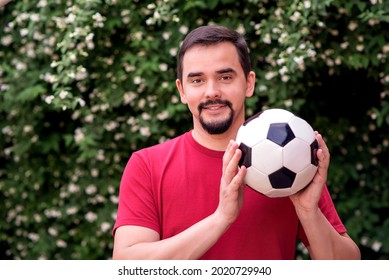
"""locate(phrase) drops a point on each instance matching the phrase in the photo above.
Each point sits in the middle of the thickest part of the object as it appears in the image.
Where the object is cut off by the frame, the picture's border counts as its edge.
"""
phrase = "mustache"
(214, 102)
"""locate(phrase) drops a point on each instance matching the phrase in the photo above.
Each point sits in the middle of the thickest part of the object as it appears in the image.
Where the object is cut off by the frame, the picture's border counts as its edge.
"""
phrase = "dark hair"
(211, 35)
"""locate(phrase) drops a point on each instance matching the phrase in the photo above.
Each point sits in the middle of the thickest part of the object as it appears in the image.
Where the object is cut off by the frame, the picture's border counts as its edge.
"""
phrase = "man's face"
(214, 86)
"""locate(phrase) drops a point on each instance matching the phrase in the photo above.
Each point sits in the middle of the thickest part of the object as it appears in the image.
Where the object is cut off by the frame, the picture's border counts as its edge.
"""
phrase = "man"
(185, 198)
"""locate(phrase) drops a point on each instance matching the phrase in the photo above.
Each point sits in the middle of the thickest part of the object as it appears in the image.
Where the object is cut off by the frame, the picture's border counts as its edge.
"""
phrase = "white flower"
(33, 236)
(289, 50)
(163, 115)
(105, 226)
(285, 78)
(360, 47)
(27, 128)
(111, 126)
(6, 40)
(299, 60)
(163, 67)
(183, 29)
(34, 17)
(89, 37)
(73, 188)
(146, 116)
(94, 172)
(173, 51)
(78, 135)
(91, 217)
(280, 61)
(137, 80)
(296, 15)
(71, 210)
(376, 246)
(269, 75)
(91, 189)
(352, 26)
(100, 155)
(49, 99)
(166, 35)
(61, 243)
(52, 231)
(145, 131)
(114, 199)
(21, 66)
(52, 213)
(63, 94)
(267, 39)
(344, 45)
(42, 4)
(24, 32)
(288, 102)
(150, 21)
(89, 118)
(37, 218)
(283, 70)
(70, 18)
(262, 88)
(81, 73)
(307, 4)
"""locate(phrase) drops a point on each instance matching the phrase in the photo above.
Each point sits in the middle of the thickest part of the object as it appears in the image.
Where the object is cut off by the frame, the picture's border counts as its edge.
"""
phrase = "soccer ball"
(279, 151)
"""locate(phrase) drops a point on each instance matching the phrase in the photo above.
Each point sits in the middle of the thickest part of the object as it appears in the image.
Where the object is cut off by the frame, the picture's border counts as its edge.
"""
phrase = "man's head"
(212, 35)
(214, 78)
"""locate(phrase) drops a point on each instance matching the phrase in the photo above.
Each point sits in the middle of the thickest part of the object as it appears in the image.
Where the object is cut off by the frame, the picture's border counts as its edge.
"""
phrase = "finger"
(323, 153)
(229, 153)
(239, 177)
(323, 157)
(322, 143)
(232, 166)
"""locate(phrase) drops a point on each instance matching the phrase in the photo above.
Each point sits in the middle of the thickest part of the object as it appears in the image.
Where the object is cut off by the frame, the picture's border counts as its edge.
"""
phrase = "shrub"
(85, 83)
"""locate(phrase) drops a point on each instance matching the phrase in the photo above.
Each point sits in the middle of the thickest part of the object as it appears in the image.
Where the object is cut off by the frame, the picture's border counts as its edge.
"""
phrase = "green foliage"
(85, 83)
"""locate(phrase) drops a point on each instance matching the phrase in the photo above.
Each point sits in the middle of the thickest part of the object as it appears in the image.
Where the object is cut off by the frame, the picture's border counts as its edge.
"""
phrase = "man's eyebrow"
(221, 71)
(225, 70)
(194, 74)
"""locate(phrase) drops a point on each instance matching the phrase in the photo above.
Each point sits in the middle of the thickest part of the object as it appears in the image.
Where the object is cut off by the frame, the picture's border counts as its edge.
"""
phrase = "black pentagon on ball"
(314, 148)
(282, 178)
(246, 155)
(280, 133)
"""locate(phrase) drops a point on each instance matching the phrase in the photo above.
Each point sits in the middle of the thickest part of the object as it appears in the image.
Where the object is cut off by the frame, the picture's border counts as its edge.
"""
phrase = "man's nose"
(212, 90)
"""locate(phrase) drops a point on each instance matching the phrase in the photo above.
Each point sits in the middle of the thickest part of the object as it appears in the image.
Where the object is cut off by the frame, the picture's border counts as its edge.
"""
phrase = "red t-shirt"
(173, 185)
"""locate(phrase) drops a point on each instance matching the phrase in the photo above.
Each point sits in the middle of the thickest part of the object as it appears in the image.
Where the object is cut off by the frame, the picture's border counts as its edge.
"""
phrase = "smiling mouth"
(214, 105)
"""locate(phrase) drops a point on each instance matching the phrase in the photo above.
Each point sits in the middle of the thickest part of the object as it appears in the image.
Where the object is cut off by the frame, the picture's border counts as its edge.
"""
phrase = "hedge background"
(84, 83)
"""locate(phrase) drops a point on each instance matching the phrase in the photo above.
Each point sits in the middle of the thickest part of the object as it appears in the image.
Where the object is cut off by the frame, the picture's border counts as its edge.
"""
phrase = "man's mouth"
(214, 105)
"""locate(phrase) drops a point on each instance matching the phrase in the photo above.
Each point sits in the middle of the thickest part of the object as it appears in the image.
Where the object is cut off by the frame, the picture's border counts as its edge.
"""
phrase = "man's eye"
(225, 78)
(196, 81)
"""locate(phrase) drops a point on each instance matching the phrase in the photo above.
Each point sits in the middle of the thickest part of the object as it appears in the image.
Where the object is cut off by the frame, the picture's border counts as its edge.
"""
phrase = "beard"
(220, 126)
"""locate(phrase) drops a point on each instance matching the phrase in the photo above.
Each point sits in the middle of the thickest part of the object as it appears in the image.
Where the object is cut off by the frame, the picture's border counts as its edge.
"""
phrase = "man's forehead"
(217, 56)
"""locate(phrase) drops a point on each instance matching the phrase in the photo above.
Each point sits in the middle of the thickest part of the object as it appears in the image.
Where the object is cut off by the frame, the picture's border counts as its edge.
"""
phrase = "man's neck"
(217, 142)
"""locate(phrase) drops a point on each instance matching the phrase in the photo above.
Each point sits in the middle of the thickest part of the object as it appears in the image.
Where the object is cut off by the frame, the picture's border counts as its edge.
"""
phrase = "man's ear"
(250, 84)
(181, 91)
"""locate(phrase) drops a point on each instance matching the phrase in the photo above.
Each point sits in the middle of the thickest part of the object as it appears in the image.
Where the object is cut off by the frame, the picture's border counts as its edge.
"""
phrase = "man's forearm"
(324, 241)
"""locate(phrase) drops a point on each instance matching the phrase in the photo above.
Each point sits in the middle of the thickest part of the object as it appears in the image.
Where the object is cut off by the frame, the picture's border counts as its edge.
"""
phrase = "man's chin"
(216, 127)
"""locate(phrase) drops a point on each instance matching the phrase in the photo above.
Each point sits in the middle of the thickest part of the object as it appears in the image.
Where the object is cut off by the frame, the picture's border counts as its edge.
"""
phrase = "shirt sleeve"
(137, 205)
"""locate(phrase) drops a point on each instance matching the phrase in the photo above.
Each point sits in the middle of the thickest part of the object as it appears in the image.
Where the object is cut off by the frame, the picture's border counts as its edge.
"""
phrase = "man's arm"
(324, 241)
(134, 242)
